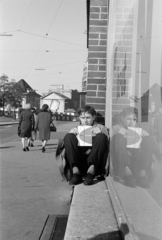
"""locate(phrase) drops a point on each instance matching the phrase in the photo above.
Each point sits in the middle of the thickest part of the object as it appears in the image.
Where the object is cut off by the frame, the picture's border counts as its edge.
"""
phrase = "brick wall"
(97, 42)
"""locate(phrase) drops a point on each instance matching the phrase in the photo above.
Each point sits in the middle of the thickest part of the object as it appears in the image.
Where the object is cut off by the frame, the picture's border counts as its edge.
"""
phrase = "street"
(9, 132)
(31, 185)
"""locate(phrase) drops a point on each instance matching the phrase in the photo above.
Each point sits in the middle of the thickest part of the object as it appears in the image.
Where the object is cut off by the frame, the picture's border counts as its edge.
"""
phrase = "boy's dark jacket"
(62, 162)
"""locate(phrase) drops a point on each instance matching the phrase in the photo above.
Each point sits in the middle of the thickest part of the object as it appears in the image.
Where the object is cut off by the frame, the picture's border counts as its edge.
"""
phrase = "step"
(91, 214)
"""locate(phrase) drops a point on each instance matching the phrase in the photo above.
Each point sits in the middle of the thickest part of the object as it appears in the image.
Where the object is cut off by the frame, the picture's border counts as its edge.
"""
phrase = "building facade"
(57, 102)
(33, 98)
(97, 46)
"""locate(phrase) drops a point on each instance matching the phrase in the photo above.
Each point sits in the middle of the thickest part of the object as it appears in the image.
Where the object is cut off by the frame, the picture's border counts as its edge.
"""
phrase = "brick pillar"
(96, 82)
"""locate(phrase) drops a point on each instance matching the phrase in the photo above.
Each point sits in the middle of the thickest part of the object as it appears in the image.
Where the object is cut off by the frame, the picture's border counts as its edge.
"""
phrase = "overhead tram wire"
(43, 51)
(44, 38)
(26, 14)
(54, 17)
(57, 40)
(61, 64)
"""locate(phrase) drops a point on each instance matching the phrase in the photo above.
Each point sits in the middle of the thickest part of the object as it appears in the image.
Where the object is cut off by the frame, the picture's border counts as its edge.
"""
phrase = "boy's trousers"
(79, 156)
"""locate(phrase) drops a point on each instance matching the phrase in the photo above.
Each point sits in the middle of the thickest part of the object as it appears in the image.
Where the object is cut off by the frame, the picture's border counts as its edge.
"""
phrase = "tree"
(10, 93)
(3, 79)
(3, 82)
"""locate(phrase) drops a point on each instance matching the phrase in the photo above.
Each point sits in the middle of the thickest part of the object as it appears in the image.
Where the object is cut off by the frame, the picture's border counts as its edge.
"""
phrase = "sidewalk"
(7, 121)
(31, 189)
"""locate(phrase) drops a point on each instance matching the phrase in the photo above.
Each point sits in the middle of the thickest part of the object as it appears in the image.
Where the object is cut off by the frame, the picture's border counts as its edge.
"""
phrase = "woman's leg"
(28, 141)
(23, 142)
(44, 142)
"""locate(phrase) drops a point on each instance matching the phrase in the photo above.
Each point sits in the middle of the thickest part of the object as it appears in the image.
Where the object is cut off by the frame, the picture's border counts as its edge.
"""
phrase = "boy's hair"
(129, 110)
(87, 109)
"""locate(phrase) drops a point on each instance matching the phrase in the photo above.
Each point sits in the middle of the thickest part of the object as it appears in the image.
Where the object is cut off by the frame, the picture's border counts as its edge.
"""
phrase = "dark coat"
(158, 127)
(26, 121)
(62, 161)
(43, 122)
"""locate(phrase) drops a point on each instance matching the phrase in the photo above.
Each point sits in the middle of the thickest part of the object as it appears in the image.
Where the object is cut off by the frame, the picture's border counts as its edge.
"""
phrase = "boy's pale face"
(86, 119)
(129, 121)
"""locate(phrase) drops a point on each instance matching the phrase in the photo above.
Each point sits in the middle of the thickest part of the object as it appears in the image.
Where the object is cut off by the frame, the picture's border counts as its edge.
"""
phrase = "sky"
(48, 35)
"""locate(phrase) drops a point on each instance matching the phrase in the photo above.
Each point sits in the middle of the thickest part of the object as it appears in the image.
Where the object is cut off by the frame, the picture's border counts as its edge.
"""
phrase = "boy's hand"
(144, 133)
(95, 131)
(123, 131)
(74, 130)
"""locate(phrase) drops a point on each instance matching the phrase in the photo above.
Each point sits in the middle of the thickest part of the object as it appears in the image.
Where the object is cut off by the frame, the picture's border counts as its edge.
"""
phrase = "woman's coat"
(43, 122)
(26, 121)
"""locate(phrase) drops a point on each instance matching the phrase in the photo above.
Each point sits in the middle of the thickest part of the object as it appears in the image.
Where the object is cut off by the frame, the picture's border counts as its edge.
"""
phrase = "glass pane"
(135, 77)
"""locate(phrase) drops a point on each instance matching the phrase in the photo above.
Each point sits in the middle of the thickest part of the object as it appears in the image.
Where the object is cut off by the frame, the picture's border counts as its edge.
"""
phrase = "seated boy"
(133, 165)
(83, 160)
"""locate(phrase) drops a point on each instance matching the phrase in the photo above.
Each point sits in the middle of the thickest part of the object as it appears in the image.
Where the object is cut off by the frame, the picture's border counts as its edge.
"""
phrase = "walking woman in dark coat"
(26, 121)
(44, 119)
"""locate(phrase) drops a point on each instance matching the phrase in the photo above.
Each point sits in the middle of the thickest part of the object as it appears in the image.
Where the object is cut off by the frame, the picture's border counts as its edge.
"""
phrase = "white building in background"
(56, 101)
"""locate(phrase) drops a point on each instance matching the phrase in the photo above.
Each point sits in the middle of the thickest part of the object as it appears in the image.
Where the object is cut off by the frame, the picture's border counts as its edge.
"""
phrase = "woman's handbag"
(53, 128)
(19, 130)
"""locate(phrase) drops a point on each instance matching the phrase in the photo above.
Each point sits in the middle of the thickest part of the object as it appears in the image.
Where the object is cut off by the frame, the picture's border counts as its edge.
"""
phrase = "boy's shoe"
(143, 181)
(43, 149)
(76, 179)
(130, 181)
(88, 179)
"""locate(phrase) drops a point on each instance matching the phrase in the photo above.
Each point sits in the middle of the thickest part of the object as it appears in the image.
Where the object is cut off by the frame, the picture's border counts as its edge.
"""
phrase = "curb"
(125, 226)
(8, 123)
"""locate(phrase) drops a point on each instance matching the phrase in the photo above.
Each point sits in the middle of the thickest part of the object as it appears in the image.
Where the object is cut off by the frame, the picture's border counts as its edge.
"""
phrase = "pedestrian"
(34, 132)
(44, 119)
(26, 121)
(88, 161)
(14, 116)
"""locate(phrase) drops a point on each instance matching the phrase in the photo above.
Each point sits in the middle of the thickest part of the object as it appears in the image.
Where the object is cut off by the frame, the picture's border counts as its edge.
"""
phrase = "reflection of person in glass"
(133, 166)
(158, 130)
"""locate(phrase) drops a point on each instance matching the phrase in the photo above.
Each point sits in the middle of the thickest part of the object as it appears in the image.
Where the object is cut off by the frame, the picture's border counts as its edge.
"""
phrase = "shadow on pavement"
(7, 147)
(146, 237)
(50, 144)
(112, 235)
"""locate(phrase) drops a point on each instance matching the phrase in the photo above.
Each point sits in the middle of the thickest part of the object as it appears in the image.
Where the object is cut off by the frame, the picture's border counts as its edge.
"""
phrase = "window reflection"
(135, 77)
(137, 92)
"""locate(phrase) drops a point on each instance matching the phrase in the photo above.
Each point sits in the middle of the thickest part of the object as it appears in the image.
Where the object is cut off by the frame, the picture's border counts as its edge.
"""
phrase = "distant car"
(71, 112)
